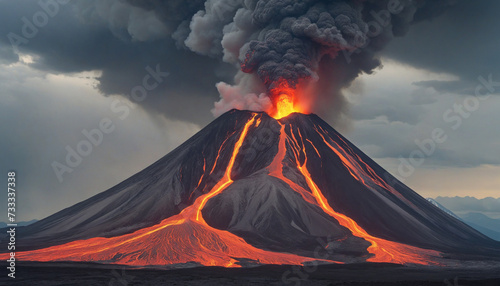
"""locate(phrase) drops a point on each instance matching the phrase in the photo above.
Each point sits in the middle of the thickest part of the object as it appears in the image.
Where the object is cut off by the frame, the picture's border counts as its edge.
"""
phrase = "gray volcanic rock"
(265, 210)
(158, 192)
(269, 214)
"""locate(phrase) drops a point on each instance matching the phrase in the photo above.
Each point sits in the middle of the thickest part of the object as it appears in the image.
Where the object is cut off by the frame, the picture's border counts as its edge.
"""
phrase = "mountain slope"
(249, 188)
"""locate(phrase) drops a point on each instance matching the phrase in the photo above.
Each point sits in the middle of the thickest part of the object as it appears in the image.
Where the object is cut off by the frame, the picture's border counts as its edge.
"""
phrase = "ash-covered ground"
(477, 273)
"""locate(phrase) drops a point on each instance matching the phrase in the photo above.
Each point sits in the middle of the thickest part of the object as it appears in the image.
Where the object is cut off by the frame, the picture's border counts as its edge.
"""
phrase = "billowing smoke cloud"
(293, 41)
(293, 49)
(323, 45)
(320, 45)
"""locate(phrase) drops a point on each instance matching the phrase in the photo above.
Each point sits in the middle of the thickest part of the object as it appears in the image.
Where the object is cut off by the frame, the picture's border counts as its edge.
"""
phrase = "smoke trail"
(317, 44)
(292, 48)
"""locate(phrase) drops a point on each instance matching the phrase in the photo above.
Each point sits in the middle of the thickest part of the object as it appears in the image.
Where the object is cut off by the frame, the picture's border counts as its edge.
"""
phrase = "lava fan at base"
(250, 189)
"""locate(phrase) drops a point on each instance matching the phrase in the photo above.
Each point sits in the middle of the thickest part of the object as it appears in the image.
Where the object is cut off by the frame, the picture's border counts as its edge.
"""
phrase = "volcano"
(251, 189)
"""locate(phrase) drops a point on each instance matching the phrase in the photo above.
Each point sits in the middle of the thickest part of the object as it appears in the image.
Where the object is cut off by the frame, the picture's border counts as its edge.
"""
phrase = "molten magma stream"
(226, 179)
(382, 250)
(182, 238)
(186, 237)
(369, 177)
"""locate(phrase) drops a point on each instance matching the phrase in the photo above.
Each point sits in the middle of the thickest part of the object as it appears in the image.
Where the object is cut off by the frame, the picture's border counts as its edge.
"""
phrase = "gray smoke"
(321, 45)
(291, 48)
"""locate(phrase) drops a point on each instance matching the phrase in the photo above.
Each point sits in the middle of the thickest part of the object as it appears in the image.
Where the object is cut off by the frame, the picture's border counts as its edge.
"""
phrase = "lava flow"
(182, 238)
(381, 249)
(187, 238)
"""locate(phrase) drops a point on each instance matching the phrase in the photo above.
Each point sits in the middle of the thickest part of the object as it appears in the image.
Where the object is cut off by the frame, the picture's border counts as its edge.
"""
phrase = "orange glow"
(284, 106)
(186, 237)
(202, 175)
(226, 180)
(382, 250)
(284, 99)
(368, 177)
(276, 168)
(182, 238)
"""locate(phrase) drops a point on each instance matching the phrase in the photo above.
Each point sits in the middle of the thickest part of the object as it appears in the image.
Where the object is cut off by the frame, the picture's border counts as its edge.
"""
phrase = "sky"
(117, 67)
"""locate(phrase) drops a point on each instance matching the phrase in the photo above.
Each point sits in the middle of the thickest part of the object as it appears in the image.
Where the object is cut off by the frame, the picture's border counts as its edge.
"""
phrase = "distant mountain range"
(472, 211)
(20, 223)
(484, 224)
(471, 204)
(249, 189)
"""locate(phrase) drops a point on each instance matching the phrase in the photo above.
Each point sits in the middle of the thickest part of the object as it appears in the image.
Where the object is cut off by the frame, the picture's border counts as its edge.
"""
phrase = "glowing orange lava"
(284, 106)
(226, 179)
(284, 100)
(182, 238)
(381, 249)
(369, 177)
(186, 237)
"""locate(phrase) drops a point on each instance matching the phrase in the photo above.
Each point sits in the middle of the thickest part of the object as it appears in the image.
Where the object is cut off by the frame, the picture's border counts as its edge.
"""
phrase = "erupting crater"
(254, 189)
(284, 98)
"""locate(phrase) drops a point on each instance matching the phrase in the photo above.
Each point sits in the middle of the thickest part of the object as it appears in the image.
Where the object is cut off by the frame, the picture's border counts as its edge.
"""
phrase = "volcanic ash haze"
(315, 46)
(251, 189)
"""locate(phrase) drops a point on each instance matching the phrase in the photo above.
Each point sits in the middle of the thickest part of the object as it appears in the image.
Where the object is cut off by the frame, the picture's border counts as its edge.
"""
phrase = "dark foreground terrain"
(353, 274)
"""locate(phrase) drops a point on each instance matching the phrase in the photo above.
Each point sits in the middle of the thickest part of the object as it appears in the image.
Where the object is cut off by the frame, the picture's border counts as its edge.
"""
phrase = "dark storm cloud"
(398, 141)
(7, 55)
(173, 11)
(392, 109)
(201, 43)
(76, 39)
(43, 114)
(464, 41)
(451, 86)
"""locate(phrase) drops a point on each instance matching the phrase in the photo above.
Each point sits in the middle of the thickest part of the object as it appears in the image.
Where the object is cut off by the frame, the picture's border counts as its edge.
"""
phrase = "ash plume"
(321, 45)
